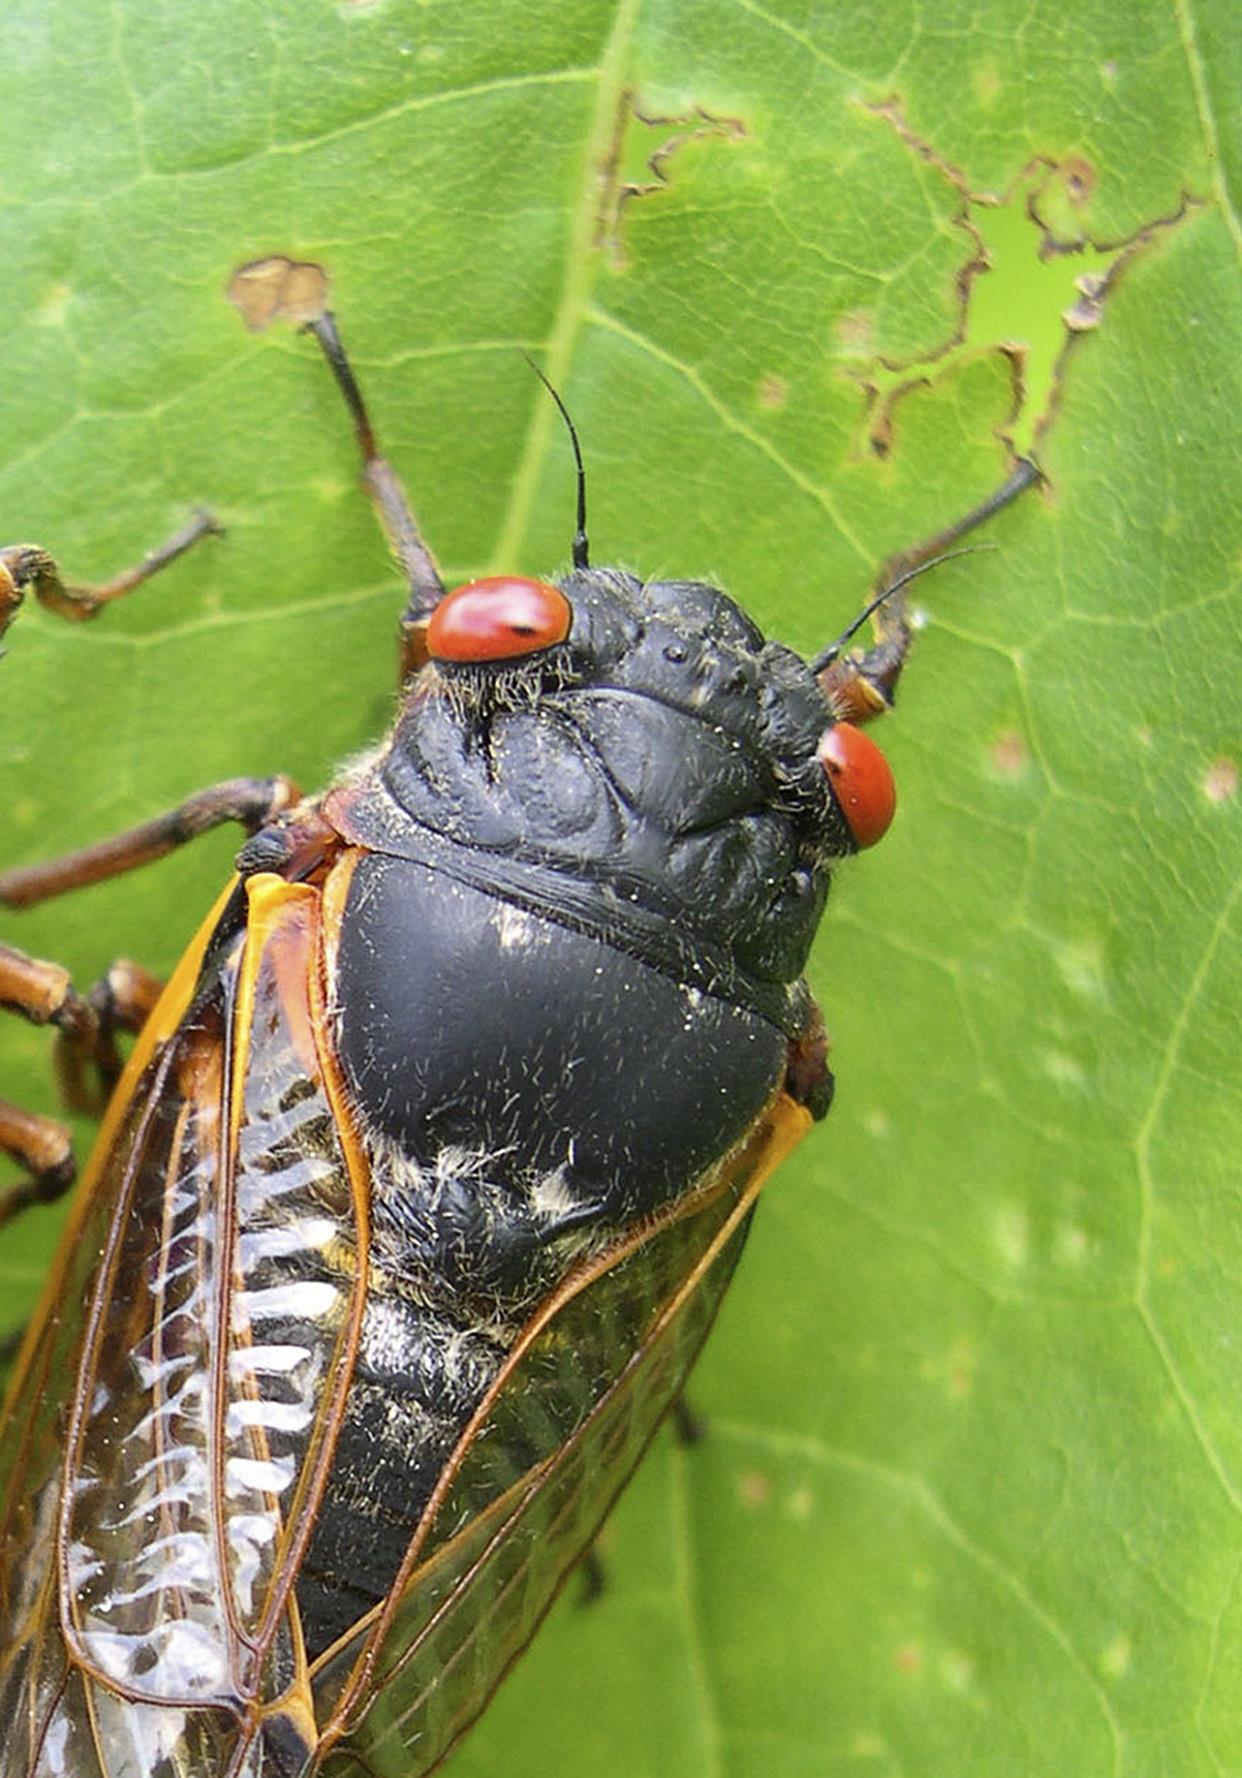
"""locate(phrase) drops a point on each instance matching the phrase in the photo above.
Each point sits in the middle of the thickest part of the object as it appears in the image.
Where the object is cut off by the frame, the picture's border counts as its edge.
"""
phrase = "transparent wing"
(148, 1564)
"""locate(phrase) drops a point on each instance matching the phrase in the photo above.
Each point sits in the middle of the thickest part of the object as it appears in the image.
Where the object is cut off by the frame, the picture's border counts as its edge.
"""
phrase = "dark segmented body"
(494, 1166)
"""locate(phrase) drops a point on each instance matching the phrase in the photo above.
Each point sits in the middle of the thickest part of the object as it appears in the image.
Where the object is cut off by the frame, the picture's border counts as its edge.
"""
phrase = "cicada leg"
(591, 1578)
(44, 1149)
(87, 1061)
(252, 802)
(862, 683)
(396, 515)
(26, 567)
(690, 1428)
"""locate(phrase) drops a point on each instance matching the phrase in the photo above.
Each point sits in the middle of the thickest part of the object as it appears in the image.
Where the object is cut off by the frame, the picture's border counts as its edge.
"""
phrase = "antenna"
(827, 655)
(581, 551)
(1024, 475)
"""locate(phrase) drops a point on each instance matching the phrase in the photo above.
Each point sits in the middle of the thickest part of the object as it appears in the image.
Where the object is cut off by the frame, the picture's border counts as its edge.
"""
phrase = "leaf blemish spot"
(1063, 1070)
(1079, 177)
(331, 490)
(773, 391)
(952, 1371)
(278, 289)
(54, 307)
(1070, 1244)
(987, 83)
(754, 1489)
(1081, 968)
(957, 1670)
(908, 1658)
(1115, 1660)
(1012, 1235)
(855, 331)
(1009, 754)
(963, 1363)
(801, 1504)
(1220, 781)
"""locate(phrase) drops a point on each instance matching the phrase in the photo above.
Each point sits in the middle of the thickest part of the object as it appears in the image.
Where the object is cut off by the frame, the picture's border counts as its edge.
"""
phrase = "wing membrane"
(154, 1613)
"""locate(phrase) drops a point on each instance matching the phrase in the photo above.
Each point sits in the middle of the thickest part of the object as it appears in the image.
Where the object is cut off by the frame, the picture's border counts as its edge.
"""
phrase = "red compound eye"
(498, 619)
(861, 780)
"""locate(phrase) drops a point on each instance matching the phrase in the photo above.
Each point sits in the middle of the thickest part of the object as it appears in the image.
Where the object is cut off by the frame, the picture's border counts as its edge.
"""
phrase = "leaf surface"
(970, 1499)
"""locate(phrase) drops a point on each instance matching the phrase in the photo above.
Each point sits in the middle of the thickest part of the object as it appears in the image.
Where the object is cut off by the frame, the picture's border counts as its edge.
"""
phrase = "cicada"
(428, 1168)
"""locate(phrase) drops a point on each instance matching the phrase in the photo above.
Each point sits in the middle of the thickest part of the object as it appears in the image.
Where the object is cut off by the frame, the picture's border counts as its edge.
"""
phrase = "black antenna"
(1024, 475)
(826, 656)
(582, 555)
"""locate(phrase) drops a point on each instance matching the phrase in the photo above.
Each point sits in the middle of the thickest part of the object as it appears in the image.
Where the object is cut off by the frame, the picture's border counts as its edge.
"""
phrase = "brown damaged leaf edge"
(1040, 179)
(1086, 312)
(617, 191)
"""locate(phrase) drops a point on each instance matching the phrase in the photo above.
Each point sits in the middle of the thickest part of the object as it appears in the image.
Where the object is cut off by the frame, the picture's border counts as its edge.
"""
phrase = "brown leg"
(251, 801)
(861, 684)
(122, 1000)
(43, 1148)
(25, 567)
(87, 1061)
(426, 589)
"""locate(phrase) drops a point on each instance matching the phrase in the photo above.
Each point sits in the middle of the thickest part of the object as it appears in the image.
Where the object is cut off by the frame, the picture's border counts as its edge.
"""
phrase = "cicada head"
(644, 743)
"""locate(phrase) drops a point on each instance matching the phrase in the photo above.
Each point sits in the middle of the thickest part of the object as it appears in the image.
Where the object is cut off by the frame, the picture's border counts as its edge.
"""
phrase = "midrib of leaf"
(577, 284)
(1185, 15)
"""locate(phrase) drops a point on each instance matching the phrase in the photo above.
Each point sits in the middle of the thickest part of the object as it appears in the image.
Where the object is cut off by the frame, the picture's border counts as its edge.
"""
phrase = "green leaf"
(970, 1501)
